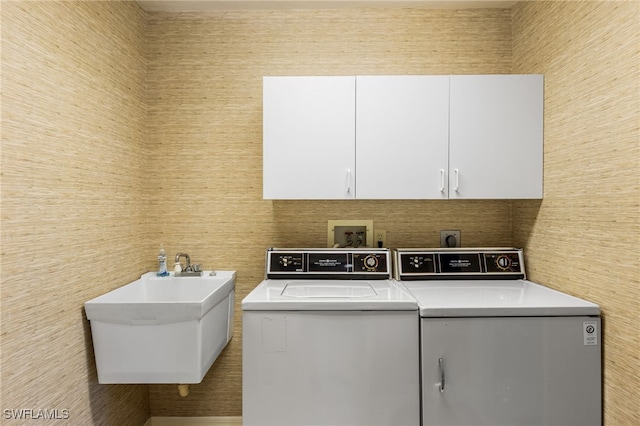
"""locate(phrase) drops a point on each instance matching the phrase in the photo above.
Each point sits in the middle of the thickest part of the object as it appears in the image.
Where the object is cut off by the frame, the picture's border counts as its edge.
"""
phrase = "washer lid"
(489, 298)
(329, 295)
(328, 289)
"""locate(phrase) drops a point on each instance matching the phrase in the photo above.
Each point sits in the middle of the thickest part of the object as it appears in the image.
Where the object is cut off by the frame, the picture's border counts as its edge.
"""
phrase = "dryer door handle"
(441, 367)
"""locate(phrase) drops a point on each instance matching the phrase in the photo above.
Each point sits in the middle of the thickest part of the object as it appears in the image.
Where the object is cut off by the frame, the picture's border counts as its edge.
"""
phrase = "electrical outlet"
(380, 238)
(449, 238)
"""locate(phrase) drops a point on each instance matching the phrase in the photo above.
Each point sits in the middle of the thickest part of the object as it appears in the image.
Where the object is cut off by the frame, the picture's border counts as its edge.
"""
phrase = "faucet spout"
(187, 266)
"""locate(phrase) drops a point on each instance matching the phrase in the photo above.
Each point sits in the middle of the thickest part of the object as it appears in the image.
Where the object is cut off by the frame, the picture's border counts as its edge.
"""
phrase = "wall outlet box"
(350, 233)
(380, 238)
(450, 239)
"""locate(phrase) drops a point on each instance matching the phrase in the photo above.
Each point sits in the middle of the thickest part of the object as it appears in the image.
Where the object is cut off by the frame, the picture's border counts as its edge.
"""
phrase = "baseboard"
(194, 421)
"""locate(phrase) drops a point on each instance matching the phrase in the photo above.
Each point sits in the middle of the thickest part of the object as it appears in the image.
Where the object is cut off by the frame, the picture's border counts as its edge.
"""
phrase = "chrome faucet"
(187, 266)
(189, 270)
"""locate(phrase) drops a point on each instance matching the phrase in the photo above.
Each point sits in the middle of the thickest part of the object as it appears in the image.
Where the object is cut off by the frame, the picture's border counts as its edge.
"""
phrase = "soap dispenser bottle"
(162, 263)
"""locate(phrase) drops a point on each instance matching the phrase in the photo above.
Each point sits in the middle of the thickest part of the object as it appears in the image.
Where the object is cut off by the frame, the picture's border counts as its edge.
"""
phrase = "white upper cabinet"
(403, 137)
(495, 136)
(309, 137)
(402, 130)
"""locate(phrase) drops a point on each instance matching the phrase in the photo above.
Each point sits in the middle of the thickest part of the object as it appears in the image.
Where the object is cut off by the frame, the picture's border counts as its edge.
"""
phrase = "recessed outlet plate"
(449, 238)
(350, 233)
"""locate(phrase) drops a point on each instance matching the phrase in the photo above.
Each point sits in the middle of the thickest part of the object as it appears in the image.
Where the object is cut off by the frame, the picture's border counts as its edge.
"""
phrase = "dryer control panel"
(424, 264)
(329, 263)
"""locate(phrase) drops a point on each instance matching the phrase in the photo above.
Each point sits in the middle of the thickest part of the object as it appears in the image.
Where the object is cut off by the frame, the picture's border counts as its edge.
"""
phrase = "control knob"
(371, 262)
(503, 262)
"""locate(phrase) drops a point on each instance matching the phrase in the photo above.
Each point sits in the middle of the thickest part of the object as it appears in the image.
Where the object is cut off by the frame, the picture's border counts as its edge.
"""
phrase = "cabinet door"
(510, 371)
(402, 126)
(308, 137)
(496, 139)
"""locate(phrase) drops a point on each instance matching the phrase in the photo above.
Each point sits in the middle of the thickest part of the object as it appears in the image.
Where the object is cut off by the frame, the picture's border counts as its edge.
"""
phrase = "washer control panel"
(421, 264)
(329, 263)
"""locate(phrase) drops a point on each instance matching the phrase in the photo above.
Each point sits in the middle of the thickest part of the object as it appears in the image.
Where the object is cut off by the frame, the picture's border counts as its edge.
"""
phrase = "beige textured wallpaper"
(73, 202)
(123, 130)
(584, 237)
(205, 130)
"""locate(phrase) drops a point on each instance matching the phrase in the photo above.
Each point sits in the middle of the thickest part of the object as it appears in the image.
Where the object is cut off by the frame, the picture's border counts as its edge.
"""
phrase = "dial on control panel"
(503, 262)
(371, 262)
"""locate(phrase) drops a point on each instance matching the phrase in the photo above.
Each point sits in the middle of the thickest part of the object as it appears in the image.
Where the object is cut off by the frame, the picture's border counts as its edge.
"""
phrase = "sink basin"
(162, 329)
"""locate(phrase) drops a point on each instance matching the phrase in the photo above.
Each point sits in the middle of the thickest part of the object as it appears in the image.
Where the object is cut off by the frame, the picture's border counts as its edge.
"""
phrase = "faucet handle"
(196, 268)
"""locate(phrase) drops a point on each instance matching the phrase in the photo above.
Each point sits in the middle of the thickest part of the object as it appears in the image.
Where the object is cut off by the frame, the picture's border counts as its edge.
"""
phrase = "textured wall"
(205, 131)
(73, 200)
(89, 192)
(584, 237)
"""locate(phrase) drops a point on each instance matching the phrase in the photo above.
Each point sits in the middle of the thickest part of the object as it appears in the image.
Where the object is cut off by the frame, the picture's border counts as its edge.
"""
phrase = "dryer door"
(511, 371)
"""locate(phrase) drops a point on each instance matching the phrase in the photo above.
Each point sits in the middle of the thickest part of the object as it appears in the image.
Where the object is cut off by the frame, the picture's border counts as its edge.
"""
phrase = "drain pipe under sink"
(184, 390)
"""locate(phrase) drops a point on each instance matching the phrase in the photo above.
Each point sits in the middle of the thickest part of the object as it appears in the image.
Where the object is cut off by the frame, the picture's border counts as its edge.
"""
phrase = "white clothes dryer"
(497, 349)
(330, 339)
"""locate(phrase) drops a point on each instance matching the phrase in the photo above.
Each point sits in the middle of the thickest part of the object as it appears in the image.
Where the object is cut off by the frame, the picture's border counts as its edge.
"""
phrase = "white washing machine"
(330, 339)
(497, 349)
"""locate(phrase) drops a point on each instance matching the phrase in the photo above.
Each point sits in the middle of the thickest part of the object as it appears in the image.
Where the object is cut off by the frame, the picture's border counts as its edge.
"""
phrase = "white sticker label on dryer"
(590, 332)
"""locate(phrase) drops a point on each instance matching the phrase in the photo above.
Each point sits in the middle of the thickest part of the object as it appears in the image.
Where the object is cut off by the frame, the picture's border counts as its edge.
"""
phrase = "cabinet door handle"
(457, 173)
(441, 180)
(441, 367)
(348, 181)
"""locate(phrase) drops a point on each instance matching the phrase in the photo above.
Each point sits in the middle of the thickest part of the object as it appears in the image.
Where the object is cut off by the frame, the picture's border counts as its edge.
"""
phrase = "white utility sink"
(162, 329)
